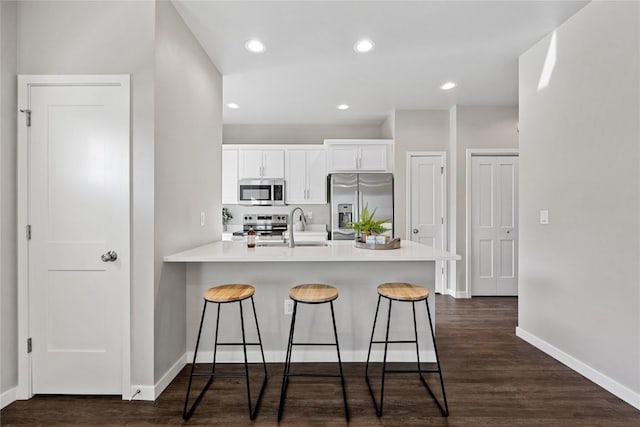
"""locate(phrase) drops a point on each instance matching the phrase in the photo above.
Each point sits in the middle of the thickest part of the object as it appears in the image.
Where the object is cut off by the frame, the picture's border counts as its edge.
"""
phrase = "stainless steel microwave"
(261, 192)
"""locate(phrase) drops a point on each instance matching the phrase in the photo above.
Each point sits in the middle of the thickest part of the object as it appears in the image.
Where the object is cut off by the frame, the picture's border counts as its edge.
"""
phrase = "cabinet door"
(273, 164)
(250, 164)
(296, 177)
(229, 177)
(316, 176)
(343, 158)
(373, 158)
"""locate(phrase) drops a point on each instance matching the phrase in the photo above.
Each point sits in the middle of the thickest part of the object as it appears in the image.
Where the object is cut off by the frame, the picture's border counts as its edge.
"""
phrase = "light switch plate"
(544, 217)
(202, 219)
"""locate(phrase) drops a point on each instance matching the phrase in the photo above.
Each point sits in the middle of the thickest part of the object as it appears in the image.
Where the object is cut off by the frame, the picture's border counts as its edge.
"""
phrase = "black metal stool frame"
(287, 366)
(187, 413)
(444, 409)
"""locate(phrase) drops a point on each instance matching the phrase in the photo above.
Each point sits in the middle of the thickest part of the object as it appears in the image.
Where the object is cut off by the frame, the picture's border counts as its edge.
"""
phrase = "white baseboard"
(148, 392)
(8, 397)
(314, 355)
(609, 384)
(457, 294)
(170, 375)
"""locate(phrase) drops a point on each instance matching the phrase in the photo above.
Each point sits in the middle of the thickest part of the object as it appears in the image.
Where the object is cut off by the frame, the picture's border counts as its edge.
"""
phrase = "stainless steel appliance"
(265, 226)
(350, 192)
(261, 192)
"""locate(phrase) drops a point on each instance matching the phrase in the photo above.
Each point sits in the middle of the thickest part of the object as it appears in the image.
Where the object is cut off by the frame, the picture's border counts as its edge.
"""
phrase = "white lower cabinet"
(306, 176)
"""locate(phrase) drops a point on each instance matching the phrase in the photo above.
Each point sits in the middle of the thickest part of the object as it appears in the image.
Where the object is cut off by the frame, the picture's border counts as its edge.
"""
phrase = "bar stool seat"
(313, 293)
(404, 292)
(225, 294)
(229, 293)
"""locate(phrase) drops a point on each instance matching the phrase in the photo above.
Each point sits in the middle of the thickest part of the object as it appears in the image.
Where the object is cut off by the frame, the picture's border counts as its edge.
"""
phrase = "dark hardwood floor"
(492, 379)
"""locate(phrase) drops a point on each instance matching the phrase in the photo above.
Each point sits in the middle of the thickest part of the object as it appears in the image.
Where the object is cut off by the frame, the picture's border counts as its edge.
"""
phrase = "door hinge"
(442, 220)
(442, 170)
(28, 232)
(29, 345)
(27, 116)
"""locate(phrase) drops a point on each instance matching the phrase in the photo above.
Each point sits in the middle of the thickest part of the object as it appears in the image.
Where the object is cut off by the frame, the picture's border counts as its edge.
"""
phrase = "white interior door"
(78, 208)
(494, 225)
(427, 206)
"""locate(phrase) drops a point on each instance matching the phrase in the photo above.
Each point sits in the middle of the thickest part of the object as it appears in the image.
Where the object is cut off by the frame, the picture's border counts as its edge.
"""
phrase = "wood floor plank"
(492, 379)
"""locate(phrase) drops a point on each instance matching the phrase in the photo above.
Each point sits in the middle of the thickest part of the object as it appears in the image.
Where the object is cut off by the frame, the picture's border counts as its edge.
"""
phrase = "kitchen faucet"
(292, 243)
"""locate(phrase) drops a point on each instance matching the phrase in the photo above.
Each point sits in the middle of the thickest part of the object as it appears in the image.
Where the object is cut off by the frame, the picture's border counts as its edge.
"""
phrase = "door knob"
(508, 231)
(415, 231)
(109, 256)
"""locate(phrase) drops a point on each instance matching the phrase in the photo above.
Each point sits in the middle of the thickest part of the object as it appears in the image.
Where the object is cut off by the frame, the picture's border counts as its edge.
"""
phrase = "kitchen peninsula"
(273, 270)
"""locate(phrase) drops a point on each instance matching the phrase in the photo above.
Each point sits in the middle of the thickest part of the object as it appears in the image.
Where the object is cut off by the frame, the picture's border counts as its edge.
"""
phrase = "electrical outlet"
(309, 215)
(202, 219)
(288, 307)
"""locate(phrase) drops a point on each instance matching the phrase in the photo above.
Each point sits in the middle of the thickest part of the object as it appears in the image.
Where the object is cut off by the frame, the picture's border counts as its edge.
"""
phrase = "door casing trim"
(25, 82)
(467, 247)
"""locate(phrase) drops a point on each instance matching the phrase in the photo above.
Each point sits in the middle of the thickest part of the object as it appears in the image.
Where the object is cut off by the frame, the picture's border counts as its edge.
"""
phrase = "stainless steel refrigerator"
(350, 192)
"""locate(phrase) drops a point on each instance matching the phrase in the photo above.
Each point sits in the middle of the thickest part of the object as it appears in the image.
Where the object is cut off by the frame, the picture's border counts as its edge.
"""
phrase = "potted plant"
(226, 217)
(367, 225)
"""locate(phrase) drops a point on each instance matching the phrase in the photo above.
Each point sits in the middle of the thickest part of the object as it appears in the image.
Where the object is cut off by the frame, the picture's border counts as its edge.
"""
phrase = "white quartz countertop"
(336, 251)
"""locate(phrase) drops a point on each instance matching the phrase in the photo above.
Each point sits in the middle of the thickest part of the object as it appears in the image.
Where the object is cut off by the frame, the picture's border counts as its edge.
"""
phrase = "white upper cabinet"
(359, 155)
(261, 163)
(229, 176)
(306, 176)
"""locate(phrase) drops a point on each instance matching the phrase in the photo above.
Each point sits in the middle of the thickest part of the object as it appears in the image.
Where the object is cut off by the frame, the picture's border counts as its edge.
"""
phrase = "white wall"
(388, 127)
(414, 130)
(8, 266)
(579, 158)
(477, 127)
(188, 139)
(105, 37)
(295, 134)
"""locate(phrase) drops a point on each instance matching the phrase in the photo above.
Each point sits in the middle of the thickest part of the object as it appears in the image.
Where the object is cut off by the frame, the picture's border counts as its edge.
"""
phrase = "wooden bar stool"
(404, 292)
(225, 294)
(311, 294)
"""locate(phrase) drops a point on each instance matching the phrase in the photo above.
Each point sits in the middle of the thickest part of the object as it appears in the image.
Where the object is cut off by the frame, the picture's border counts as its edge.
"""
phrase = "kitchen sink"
(319, 244)
(281, 244)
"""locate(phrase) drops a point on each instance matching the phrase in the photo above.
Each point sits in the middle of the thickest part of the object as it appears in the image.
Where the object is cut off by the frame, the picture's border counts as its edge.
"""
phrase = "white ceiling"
(310, 66)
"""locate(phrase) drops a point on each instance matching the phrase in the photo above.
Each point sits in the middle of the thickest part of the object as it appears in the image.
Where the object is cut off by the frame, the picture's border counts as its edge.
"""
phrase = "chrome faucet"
(292, 243)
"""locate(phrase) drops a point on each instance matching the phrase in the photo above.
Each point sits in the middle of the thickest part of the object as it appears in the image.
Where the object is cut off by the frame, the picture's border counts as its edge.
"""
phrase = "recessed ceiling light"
(448, 86)
(364, 45)
(233, 105)
(342, 107)
(255, 46)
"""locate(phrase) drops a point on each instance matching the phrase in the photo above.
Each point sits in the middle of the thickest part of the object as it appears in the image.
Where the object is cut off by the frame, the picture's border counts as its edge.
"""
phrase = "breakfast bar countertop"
(334, 251)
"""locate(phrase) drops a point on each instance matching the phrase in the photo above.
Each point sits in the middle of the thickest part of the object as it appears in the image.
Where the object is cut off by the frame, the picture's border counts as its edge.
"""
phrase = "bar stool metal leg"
(344, 391)
(287, 362)
(445, 409)
(291, 343)
(384, 360)
(375, 319)
(186, 414)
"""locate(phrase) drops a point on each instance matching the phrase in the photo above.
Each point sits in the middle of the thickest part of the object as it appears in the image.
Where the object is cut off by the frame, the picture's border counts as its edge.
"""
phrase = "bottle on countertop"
(251, 238)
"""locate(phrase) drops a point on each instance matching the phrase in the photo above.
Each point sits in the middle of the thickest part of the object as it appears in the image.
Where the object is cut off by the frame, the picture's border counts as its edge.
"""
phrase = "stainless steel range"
(267, 226)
